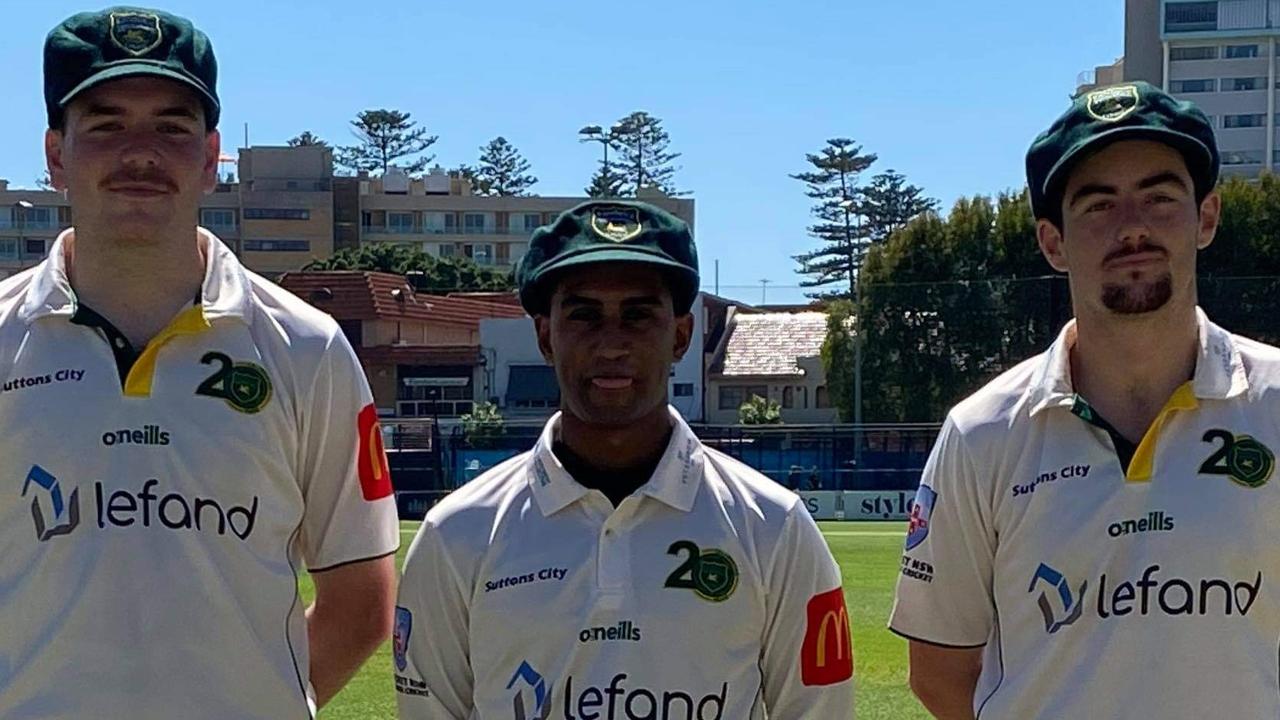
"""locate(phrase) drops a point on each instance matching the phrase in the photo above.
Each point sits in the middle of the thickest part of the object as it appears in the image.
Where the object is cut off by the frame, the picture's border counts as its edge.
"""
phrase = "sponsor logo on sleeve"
(918, 526)
(400, 639)
(371, 457)
(826, 658)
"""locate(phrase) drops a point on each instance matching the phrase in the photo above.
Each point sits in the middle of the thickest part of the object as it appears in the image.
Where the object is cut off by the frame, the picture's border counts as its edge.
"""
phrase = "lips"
(1136, 259)
(138, 189)
(606, 382)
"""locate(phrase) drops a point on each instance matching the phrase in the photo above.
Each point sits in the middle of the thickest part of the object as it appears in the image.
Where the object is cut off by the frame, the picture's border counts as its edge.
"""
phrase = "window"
(1242, 157)
(448, 250)
(1195, 52)
(277, 245)
(436, 222)
(1190, 16)
(34, 247)
(532, 221)
(820, 399)
(788, 397)
(400, 222)
(481, 253)
(1245, 83)
(276, 214)
(450, 223)
(34, 218)
(732, 397)
(473, 223)
(682, 390)
(218, 218)
(8, 248)
(1192, 86)
(1244, 121)
(1240, 51)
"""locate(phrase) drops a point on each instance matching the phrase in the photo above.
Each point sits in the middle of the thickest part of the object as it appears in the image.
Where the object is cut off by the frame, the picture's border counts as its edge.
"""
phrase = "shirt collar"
(1220, 372)
(225, 292)
(674, 482)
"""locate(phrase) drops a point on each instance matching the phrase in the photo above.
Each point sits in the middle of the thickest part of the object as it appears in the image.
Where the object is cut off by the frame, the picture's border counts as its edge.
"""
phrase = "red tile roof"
(352, 295)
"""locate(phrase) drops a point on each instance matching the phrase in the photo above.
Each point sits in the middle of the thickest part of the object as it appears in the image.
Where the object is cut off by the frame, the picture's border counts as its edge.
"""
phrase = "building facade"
(285, 208)
(1220, 54)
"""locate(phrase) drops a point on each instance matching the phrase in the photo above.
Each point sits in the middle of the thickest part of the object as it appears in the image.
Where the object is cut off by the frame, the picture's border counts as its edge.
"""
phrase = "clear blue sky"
(949, 93)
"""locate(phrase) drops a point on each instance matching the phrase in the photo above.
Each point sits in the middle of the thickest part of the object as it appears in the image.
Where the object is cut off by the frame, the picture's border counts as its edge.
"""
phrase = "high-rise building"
(1220, 54)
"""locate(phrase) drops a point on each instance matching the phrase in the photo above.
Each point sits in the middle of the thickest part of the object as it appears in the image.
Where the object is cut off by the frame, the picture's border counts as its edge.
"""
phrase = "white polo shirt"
(153, 518)
(1099, 593)
(708, 594)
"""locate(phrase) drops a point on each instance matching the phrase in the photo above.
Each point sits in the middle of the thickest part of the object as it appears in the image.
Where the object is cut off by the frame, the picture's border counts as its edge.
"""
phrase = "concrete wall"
(1143, 53)
(803, 392)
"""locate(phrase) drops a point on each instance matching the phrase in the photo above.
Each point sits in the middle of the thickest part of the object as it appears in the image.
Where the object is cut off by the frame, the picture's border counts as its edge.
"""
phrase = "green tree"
(838, 358)
(306, 139)
(427, 273)
(483, 425)
(759, 411)
(888, 203)
(832, 184)
(502, 170)
(606, 183)
(644, 158)
(383, 137)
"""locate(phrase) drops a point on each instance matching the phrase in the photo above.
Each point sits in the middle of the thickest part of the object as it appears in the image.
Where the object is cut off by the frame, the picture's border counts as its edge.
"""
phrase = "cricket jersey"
(157, 504)
(708, 594)
(1104, 580)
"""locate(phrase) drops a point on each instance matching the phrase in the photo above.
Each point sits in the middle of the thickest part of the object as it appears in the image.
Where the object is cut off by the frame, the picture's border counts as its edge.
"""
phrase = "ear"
(53, 144)
(1210, 213)
(542, 326)
(212, 150)
(684, 335)
(1052, 245)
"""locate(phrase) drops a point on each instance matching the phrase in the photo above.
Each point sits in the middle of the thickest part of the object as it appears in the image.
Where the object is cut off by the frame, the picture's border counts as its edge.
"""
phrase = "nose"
(140, 151)
(1132, 228)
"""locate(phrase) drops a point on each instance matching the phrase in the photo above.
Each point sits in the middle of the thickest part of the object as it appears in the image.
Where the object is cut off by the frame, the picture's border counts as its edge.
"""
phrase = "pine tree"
(888, 203)
(385, 136)
(833, 186)
(606, 183)
(502, 170)
(641, 142)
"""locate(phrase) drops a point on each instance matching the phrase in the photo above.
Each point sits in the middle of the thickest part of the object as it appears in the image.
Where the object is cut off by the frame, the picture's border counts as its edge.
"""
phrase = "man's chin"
(1138, 298)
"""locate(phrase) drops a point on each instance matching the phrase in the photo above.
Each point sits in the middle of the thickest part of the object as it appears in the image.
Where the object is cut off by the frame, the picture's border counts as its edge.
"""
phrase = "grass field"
(868, 554)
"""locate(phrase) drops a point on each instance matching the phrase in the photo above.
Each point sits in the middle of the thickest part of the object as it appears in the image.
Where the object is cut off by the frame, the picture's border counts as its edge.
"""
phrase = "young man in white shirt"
(620, 569)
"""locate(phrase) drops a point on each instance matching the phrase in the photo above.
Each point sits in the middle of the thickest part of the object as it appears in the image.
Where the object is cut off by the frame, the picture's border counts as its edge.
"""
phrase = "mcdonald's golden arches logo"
(826, 657)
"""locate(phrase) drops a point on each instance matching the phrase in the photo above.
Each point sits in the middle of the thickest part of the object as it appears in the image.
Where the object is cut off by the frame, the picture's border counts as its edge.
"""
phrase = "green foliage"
(606, 183)
(644, 160)
(838, 358)
(307, 139)
(384, 136)
(426, 272)
(502, 170)
(483, 425)
(760, 411)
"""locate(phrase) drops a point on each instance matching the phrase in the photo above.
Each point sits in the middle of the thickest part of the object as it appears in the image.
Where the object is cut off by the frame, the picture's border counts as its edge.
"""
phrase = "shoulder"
(999, 404)
(735, 483)
(467, 516)
(13, 291)
(287, 316)
(1261, 364)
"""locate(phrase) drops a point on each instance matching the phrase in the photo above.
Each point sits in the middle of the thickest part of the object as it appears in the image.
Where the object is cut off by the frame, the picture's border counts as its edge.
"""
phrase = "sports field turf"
(868, 553)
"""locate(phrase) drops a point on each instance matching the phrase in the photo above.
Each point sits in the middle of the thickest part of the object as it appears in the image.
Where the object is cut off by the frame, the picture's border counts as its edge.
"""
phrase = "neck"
(630, 447)
(139, 287)
(1128, 370)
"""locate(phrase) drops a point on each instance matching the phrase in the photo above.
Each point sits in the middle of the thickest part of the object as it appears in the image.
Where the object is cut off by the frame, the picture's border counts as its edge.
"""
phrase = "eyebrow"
(102, 110)
(1161, 178)
(643, 300)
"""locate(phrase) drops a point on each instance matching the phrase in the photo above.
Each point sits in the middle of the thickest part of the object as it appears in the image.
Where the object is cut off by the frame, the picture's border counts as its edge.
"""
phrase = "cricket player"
(179, 438)
(620, 570)
(1094, 534)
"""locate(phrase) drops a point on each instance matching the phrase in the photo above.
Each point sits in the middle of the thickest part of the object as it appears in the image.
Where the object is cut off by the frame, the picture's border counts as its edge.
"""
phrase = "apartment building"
(1220, 54)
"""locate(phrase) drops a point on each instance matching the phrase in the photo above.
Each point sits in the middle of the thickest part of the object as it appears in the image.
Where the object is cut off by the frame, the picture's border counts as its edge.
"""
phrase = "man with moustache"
(620, 569)
(1094, 532)
(194, 435)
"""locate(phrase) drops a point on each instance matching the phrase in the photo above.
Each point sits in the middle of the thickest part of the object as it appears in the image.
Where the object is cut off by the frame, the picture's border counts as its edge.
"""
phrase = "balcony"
(401, 230)
(1220, 17)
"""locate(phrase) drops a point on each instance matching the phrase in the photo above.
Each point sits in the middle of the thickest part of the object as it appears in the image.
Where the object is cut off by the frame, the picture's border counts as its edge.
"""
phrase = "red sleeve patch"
(371, 457)
(827, 655)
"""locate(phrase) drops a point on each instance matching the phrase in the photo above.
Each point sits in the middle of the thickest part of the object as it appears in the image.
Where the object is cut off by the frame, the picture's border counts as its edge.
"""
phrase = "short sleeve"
(944, 584)
(350, 509)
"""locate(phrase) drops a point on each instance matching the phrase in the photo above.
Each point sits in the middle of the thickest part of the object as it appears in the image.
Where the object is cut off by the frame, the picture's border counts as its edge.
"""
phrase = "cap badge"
(1112, 104)
(618, 224)
(134, 32)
